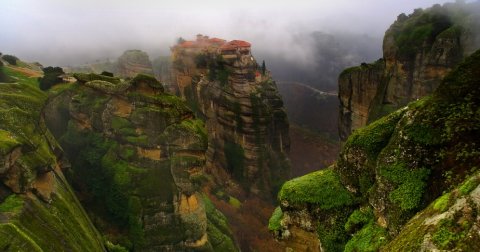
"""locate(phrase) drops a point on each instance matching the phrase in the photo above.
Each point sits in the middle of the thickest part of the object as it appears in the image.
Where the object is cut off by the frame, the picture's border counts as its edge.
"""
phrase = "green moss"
(7, 142)
(410, 184)
(274, 221)
(330, 229)
(449, 233)
(419, 29)
(322, 188)
(83, 78)
(139, 140)
(127, 152)
(114, 247)
(148, 80)
(219, 234)
(358, 219)
(15, 239)
(441, 204)
(12, 204)
(375, 136)
(369, 239)
(198, 127)
(468, 186)
(234, 202)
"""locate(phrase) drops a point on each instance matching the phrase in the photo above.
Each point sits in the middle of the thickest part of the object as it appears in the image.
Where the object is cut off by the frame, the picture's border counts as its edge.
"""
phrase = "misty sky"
(61, 32)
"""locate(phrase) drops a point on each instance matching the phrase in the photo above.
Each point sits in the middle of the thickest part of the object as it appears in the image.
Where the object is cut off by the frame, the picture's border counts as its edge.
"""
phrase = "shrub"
(51, 77)
(105, 73)
(12, 60)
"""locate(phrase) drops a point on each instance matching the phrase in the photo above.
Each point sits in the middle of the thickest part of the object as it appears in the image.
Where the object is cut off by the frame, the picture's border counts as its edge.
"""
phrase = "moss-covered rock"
(419, 50)
(38, 209)
(136, 153)
(398, 166)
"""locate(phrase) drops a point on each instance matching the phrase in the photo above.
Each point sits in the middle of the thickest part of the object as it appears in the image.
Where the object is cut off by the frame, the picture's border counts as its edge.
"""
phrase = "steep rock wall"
(393, 169)
(246, 122)
(418, 51)
(137, 156)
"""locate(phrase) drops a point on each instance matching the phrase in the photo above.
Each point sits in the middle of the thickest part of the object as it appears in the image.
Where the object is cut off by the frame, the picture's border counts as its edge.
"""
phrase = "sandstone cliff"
(128, 65)
(133, 62)
(418, 51)
(406, 163)
(137, 157)
(246, 122)
(38, 209)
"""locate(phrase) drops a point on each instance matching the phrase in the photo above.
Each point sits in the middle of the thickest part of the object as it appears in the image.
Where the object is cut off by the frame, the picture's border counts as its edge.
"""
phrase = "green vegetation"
(358, 219)
(322, 188)
(410, 184)
(369, 239)
(114, 247)
(235, 157)
(105, 73)
(377, 66)
(19, 77)
(12, 60)
(376, 136)
(12, 204)
(201, 60)
(51, 76)
(450, 232)
(218, 70)
(83, 78)
(274, 222)
(234, 202)
(24, 230)
(442, 203)
(469, 184)
(420, 29)
(219, 234)
(7, 142)
(147, 80)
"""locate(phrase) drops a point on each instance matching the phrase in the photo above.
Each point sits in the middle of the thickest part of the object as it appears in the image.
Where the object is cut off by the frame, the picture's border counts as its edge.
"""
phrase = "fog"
(58, 32)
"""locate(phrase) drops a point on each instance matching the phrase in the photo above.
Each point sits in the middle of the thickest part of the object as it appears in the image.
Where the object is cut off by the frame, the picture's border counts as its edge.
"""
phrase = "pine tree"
(264, 68)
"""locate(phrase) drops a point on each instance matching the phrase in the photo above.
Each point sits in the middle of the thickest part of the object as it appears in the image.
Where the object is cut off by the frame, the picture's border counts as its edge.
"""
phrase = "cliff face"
(137, 155)
(406, 163)
(418, 51)
(38, 209)
(246, 122)
(128, 65)
(133, 62)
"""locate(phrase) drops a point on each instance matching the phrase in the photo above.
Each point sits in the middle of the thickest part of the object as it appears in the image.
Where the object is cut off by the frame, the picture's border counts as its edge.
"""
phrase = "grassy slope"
(28, 223)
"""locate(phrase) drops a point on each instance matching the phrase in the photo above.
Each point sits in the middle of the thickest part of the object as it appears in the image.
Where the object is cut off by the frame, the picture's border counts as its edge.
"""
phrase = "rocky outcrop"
(246, 122)
(418, 51)
(137, 155)
(403, 164)
(133, 62)
(38, 209)
(128, 65)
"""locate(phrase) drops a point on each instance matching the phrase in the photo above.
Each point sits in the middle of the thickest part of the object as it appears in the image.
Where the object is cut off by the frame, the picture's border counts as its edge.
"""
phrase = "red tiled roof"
(234, 44)
(188, 44)
(217, 41)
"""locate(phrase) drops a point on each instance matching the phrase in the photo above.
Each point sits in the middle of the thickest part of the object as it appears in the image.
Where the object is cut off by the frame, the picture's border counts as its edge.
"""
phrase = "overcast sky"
(61, 32)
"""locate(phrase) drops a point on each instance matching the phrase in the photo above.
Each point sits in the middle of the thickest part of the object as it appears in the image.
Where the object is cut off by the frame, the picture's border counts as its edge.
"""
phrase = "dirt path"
(29, 72)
